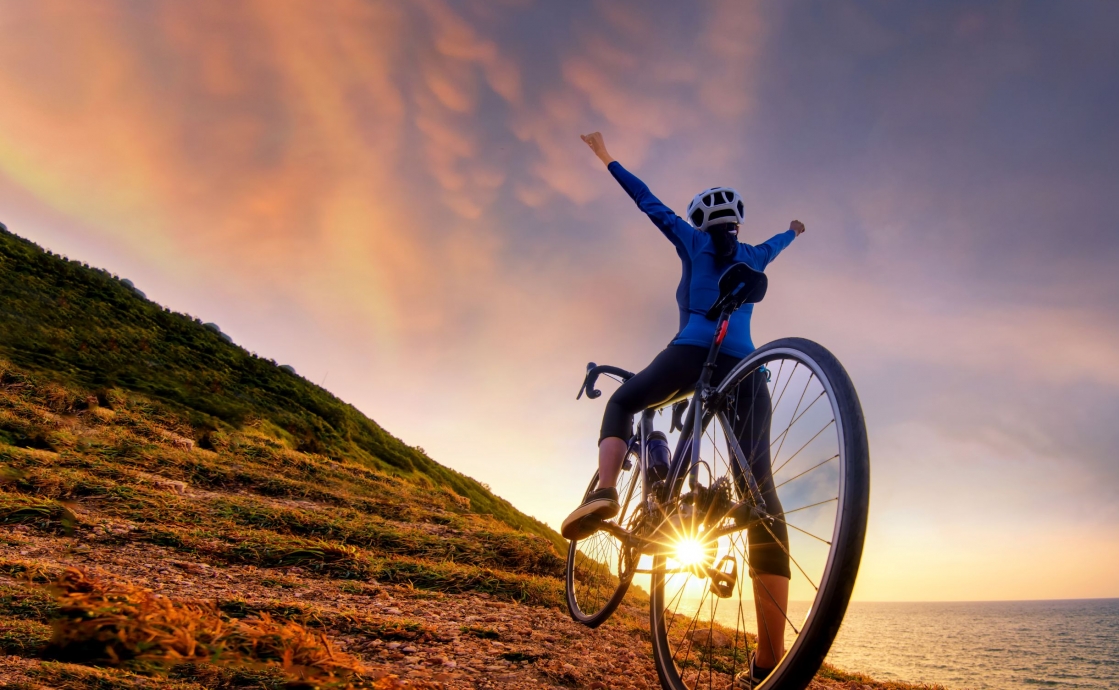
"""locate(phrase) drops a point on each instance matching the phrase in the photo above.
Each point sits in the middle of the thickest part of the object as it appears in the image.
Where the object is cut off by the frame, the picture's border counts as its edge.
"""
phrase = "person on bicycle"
(706, 245)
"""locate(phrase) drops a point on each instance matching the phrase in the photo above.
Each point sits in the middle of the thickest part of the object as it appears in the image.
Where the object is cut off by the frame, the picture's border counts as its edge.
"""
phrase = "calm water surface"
(1026, 644)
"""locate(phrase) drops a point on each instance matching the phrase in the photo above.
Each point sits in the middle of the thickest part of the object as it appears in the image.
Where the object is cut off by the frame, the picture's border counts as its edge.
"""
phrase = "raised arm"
(594, 140)
(759, 256)
(675, 228)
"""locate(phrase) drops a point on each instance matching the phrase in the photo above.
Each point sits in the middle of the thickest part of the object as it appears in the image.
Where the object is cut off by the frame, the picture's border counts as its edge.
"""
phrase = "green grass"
(28, 510)
(250, 501)
(23, 637)
(25, 614)
(247, 494)
(26, 603)
(100, 342)
(125, 425)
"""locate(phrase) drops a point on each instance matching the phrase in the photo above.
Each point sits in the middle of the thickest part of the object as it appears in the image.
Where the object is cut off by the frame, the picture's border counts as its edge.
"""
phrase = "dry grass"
(44, 514)
(103, 477)
(113, 624)
(247, 499)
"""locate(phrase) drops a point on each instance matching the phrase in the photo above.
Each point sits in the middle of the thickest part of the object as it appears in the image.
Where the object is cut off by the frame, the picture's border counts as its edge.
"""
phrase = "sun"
(690, 552)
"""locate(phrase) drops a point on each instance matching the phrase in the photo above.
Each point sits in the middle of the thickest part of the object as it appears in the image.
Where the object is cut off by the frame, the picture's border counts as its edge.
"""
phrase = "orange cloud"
(618, 78)
(394, 193)
(455, 38)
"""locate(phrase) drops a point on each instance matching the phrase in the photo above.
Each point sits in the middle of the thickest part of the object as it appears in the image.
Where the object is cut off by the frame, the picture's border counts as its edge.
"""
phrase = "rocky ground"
(447, 641)
(125, 545)
(463, 641)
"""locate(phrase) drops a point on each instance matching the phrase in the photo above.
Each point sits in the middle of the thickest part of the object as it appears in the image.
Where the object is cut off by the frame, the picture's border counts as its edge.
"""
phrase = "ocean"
(1005, 644)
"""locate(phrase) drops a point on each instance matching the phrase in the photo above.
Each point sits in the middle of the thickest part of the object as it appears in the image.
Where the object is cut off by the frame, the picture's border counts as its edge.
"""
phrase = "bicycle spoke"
(711, 641)
(700, 641)
(803, 412)
(818, 465)
(811, 505)
(598, 569)
(793, 560)
(691, 629)
(679, 598)
(784, 611)
(787, 382)
(789, 524)
(795, 410)
(740, 619)
(805, 446)
(754, 406)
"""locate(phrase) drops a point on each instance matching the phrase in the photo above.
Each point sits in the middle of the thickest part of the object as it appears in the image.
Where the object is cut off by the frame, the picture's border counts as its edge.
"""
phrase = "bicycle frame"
(685, 458)
(738, 285)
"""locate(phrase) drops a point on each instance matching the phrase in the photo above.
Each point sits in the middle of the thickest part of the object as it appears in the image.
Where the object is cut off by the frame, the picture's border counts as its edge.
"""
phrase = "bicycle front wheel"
(789, 422)
(599, 568)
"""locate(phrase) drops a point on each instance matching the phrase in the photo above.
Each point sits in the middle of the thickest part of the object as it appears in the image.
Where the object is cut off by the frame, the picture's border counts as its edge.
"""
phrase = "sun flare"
(690, 552)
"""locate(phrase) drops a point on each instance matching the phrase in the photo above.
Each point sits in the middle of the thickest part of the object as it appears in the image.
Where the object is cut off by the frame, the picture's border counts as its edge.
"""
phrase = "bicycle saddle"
(738, 285)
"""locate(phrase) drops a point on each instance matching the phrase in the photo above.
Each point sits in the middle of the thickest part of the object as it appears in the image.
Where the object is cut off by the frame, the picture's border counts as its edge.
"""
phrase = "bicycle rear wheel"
(812, 436)
(599, 568)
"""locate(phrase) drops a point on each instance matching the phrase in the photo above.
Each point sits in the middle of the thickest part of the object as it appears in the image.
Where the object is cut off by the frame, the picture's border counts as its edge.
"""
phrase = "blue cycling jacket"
(699, 284)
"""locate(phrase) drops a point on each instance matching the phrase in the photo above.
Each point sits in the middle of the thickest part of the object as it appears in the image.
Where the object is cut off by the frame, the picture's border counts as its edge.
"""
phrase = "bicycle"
(686, 539)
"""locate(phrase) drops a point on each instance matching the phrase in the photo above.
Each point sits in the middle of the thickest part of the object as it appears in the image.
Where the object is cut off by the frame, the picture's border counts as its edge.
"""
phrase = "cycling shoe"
(599, 505)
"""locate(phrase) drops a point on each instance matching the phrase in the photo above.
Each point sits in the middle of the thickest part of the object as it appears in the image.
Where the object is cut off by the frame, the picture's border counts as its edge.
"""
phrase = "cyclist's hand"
(797, 227)
(594, 140)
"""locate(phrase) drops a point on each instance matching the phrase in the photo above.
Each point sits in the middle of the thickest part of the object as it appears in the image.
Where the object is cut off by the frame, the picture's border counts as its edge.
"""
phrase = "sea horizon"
(995, 645)
(975, 601)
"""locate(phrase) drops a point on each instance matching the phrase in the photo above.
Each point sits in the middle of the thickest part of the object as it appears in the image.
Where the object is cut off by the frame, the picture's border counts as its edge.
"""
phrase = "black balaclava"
(725, 237)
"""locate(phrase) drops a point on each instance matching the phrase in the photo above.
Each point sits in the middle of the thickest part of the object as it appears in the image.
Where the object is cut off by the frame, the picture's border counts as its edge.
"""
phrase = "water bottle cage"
(678, 410)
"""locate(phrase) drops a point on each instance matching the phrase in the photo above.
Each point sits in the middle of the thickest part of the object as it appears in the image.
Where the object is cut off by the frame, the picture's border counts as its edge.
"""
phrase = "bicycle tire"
(805, 655)
(593, 590)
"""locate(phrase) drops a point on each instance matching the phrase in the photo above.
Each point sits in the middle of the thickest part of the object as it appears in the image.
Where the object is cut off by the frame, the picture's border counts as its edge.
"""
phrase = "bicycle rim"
(819, 462)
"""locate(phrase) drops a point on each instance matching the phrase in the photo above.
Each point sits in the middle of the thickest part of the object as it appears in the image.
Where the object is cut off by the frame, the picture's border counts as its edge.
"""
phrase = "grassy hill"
(176, 512)
(84, 327)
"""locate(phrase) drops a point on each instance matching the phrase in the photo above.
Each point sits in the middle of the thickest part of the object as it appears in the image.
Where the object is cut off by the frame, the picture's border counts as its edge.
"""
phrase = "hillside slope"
(176, 512)
(84, 326)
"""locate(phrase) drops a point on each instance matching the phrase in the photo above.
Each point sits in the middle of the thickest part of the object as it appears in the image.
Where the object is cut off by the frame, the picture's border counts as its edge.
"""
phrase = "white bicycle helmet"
(714, 206)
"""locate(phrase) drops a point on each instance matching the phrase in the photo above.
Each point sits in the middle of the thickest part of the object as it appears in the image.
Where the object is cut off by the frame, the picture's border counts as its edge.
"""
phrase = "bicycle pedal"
(587, 527)
(722, 580)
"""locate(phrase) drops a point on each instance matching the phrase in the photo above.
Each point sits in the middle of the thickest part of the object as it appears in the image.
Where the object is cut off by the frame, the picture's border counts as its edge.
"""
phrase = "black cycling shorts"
(674, 372)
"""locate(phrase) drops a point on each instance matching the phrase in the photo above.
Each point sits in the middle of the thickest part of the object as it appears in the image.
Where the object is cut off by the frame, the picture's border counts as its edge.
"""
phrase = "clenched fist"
(594, 140)
(797, 227)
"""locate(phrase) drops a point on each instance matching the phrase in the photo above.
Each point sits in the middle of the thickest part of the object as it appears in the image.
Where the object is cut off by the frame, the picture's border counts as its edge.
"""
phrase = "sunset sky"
(393, 198)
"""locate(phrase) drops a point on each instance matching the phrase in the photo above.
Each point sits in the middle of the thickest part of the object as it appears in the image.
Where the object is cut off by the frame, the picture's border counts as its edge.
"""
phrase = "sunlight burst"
(690, 552)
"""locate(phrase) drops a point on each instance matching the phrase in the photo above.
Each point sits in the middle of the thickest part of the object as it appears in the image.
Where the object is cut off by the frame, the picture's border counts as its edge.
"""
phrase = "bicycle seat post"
(703, 387)
(712, 354)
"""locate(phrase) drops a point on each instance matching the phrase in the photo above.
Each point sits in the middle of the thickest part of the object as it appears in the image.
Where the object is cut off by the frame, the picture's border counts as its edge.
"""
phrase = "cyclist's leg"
(769, 560)
(611, 455)
(676, 368)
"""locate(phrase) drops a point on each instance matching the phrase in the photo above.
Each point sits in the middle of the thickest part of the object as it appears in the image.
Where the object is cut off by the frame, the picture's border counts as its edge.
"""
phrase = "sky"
(393, 198)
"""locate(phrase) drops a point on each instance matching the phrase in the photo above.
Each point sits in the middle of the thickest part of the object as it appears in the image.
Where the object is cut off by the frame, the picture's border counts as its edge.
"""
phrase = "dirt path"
(466, 641)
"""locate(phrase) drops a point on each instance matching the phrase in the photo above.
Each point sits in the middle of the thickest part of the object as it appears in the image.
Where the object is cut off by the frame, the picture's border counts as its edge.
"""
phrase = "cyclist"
(706, 246)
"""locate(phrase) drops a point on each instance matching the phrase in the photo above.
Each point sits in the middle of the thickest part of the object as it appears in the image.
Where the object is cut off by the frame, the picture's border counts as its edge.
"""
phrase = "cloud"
(1018, 341)
(447, 100)
(735, 34)
(456, 38)
(618, 77)
(391, 196)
